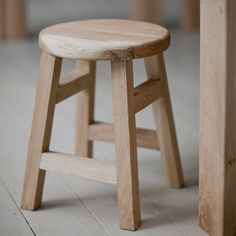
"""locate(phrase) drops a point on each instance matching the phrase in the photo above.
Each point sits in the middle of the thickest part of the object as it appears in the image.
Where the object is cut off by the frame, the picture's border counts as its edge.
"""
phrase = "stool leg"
(155, 67)
(126, 148)
(41, 130)
(85, 110)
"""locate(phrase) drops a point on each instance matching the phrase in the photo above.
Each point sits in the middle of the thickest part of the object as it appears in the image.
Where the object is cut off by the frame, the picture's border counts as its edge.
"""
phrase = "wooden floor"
(76, 206)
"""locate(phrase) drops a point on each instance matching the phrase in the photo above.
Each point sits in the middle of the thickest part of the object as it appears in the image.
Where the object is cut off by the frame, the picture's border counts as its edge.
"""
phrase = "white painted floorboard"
(12, 221)
(67, 215)
(76, 206)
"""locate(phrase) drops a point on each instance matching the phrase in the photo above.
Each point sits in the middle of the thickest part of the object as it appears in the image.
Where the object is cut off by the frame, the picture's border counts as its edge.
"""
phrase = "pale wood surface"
(83, 207)
(50, 69)
(2, 19)
(152, 11)
(14, 19)
(218, 114)
(71, 76)
(99, 39)
(147, 11)
(126, 146)
(191, 14)
(85, 110)
(127, 101)
(165, 126)
(146, 93)
(102, 131)
(81, 166)
(72, 83)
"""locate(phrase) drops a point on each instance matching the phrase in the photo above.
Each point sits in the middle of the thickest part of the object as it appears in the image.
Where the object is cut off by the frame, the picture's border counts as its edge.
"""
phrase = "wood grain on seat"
(104, 39)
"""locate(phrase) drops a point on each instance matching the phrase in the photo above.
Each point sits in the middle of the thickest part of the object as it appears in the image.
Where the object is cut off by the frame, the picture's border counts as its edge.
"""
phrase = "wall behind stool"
(41, 13)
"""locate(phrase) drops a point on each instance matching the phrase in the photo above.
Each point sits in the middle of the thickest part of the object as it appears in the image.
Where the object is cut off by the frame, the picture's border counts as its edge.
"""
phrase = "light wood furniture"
(12, 19)
(151, 10)
(88, 41)
(217, 108)
(218, 116)
(191, 14)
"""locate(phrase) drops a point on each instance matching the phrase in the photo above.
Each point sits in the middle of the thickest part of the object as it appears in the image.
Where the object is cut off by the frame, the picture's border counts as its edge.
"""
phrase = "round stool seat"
(104, 39)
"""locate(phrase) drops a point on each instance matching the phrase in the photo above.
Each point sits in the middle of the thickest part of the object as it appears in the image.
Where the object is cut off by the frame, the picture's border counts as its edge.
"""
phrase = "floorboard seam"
(12, 198)
(168, 218)
(89, 211)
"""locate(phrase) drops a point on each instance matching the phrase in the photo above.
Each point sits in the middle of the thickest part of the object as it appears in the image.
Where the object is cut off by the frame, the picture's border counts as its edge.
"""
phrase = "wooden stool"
(119, 41)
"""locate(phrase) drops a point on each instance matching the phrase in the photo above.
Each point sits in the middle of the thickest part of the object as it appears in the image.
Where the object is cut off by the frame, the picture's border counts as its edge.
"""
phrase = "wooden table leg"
(218, 117)
(146, 10)
(2, 18)
(12, 19)
(191, 14)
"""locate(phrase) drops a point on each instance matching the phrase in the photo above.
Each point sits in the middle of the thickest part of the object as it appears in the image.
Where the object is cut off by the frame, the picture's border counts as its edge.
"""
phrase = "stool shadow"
(59, 203)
